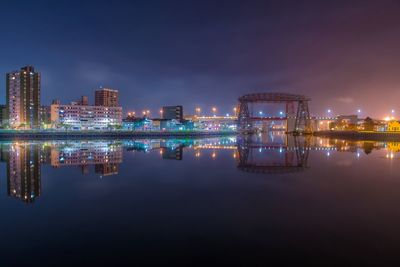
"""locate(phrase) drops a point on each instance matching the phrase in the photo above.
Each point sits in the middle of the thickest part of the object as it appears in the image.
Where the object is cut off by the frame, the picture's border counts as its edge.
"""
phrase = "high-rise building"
(172, 113)
(23, 98)
(106, 97)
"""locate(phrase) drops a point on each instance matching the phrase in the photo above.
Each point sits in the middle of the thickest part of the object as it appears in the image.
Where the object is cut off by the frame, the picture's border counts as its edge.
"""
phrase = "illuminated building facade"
(23, 98)
(393, 126)
(85, 117)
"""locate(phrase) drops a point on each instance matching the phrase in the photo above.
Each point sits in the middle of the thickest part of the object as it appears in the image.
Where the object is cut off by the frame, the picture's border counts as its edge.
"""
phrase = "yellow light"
(388, 118)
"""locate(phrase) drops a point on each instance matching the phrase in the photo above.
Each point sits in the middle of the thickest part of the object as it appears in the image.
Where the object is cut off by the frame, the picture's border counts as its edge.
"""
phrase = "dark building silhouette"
(106, 97)
(172, 113)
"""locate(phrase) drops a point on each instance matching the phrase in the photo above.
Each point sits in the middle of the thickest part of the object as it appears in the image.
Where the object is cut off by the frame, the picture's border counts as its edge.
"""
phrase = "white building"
(85, 117)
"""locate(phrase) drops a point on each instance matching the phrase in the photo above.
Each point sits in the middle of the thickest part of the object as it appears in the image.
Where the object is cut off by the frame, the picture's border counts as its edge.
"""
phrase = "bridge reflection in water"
(273, 154)
(265, 154)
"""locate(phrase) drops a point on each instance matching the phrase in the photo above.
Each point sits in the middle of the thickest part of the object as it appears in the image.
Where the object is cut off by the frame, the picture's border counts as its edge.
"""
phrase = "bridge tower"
(296, 121)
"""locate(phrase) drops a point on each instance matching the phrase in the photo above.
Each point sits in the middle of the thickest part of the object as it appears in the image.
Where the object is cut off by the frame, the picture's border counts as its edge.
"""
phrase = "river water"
(262, 199)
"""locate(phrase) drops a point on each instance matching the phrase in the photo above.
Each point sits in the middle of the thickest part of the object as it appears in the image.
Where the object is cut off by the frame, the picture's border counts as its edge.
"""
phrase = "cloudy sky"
(345, 55)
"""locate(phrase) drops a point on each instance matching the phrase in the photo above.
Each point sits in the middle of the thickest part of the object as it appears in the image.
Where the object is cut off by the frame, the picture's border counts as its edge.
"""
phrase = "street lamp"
(198, 110)
(214, 110)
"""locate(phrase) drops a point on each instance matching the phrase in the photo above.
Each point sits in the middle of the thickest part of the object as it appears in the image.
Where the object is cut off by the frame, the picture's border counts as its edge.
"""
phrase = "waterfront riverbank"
(46, 135)
(360, 135)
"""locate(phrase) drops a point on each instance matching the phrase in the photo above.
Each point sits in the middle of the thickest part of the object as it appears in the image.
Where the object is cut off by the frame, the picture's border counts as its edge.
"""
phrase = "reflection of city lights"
(234, 155)
(213, 155)
(390, 155)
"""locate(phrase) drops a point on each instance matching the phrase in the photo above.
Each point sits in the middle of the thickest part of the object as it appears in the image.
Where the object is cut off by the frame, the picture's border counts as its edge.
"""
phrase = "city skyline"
(342, 55)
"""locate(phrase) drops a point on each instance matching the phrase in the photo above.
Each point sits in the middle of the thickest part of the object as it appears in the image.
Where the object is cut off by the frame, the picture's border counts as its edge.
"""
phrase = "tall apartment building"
(23, 98)
(106, 97)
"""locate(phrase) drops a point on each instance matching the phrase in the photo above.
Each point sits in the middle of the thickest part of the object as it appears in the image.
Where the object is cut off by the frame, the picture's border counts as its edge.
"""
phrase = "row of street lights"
(330, 112)
(214, 112)
(197, 110)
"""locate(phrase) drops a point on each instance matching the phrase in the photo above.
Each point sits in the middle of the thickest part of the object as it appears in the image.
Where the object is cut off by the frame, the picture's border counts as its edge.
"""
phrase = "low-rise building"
(133, 123)
(85, 117)
(393, 126)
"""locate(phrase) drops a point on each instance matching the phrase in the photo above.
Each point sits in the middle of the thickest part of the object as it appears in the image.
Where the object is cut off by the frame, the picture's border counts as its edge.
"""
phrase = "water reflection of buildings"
(24, 160)
(105, 156)
(261, 154)
(23, 170)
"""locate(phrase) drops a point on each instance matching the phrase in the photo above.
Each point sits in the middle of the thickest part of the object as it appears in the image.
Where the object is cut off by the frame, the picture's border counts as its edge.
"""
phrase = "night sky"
(345, 55)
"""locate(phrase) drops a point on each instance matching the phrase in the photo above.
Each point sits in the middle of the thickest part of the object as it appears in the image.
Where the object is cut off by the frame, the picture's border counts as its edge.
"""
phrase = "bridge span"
(297, 115)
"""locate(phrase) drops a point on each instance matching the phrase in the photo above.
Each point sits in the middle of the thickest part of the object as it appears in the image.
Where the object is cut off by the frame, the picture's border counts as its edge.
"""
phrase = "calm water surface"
(234, 200)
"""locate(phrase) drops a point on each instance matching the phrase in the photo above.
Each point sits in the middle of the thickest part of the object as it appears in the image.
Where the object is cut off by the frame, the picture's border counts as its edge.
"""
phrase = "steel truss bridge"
(297, 115)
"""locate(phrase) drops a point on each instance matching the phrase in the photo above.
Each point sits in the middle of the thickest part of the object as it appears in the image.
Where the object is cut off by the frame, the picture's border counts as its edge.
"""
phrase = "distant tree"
(369, 124)
(351, 126)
